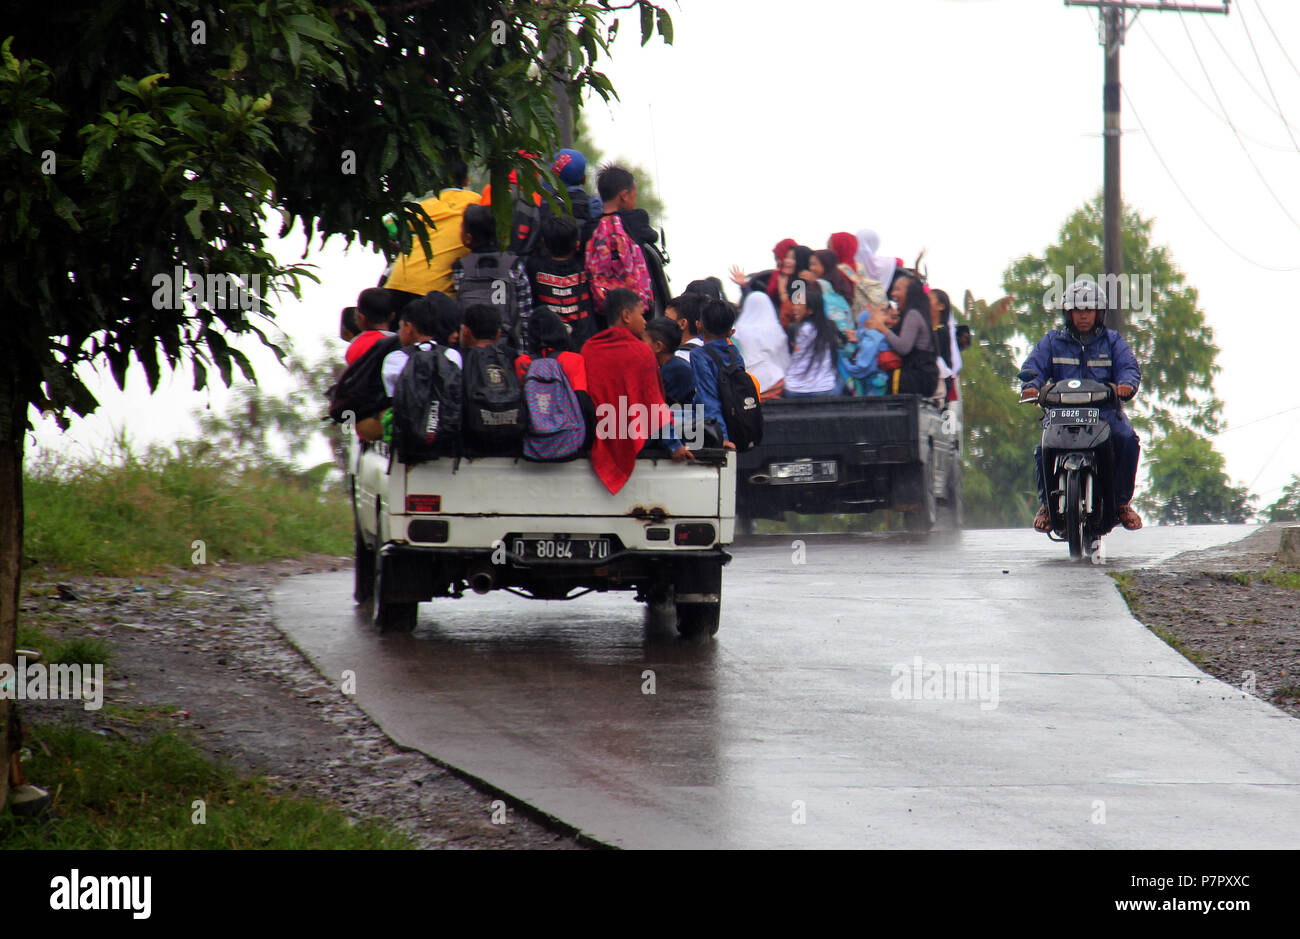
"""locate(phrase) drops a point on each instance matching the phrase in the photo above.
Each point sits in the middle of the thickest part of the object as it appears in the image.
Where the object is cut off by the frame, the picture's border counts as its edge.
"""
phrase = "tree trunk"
(13, 420)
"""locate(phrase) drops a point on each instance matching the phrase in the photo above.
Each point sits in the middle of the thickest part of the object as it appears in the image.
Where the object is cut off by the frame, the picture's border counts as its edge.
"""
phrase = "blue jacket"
(706, 378)
(1105, 358)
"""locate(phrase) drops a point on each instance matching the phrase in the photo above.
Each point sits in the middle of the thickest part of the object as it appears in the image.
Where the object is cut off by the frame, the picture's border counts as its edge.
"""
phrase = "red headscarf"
(845, 247)
(781, 250)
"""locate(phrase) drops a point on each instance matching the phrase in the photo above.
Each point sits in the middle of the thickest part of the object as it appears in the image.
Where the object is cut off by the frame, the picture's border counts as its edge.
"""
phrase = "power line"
(1258, 420)
(1268, 84)
(1286, 438)
(1209, 107)
(1183, 192)
(1260, 9)
(1244, 148)
(1249, 84)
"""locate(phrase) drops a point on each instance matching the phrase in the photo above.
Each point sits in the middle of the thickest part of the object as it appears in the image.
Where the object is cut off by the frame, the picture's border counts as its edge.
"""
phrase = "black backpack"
(525, 221)
(360, 389)
(495, 414)
(486, 277)
(741, 409)
(427, 407)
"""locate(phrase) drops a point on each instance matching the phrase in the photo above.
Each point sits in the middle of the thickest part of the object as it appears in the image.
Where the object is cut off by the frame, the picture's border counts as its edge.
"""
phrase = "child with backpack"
(495, 416)
(727, 393)
(559, 281)
(561, 415)
(424, 382)
(374, 319)
(614, 257)
(664, 337)
(491, 277)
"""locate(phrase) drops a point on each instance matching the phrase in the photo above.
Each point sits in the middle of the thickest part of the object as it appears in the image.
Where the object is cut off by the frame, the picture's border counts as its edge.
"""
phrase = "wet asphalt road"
(796, 725)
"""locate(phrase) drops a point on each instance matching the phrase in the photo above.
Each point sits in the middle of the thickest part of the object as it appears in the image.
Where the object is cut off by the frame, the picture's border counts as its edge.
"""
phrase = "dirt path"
(205, 644)
(1241, 629)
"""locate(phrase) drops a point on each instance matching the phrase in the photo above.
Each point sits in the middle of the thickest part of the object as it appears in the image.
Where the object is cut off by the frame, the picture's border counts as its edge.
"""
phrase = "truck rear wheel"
(953, 509)
(363, 568)
(697, 590)
(922, 518)
(697, 620)
(390, 616)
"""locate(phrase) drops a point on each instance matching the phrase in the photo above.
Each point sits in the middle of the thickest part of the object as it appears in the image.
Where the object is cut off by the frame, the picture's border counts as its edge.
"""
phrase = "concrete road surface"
(863, 692)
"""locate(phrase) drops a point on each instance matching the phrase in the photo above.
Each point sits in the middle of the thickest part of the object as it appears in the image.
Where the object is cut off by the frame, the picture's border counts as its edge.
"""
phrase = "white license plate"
(804, 471)
(560, 547)
(1074, 416)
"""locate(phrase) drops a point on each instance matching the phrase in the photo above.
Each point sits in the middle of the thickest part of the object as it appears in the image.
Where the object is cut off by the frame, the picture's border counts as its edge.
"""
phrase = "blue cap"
(570, 166)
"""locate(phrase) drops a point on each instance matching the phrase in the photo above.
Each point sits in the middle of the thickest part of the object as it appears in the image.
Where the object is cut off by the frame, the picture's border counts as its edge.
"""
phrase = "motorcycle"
(1078, 461)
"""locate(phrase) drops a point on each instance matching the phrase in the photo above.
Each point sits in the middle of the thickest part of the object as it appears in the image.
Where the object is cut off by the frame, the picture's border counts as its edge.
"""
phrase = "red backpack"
(614, 260)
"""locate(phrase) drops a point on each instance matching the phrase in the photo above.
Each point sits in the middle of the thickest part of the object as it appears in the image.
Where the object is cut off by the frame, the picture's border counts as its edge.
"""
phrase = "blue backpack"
(555, 428)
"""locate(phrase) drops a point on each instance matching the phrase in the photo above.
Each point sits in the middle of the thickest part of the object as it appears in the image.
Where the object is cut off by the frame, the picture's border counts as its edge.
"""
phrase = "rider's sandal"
(1128, 518)
(1043, 520)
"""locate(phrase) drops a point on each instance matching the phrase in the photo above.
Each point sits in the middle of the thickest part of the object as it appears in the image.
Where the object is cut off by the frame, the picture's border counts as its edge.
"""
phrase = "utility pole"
(1114, 26)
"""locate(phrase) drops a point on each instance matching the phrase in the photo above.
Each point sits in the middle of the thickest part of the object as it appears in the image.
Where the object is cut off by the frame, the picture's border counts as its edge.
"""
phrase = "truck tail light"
(694, 533)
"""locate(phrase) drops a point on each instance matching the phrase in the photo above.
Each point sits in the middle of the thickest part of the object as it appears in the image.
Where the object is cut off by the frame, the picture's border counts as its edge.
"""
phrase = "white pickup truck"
(541, 530)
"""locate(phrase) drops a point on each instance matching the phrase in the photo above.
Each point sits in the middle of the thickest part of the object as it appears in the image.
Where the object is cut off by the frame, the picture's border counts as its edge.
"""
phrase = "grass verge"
(121, 793)
(129, 513)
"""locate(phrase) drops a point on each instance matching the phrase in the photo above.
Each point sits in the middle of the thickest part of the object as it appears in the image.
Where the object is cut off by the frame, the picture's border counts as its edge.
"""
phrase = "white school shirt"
(395, 361)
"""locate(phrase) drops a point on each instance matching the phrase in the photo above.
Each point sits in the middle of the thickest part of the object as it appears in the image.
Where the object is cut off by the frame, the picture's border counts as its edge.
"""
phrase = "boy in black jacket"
(558, 279)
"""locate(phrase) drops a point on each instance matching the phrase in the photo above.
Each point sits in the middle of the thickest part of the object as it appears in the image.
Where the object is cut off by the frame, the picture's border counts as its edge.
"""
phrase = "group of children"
(522, 349)
(544, 399)
(821, 323)
(563, 262)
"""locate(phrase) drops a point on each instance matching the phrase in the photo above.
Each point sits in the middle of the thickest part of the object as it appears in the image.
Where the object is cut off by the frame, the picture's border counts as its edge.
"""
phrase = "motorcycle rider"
(1085, 348)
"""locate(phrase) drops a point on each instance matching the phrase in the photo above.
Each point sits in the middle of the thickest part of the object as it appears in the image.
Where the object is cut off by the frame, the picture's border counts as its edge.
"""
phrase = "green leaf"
(389, 156)
(19, 130)
(295, 46)
(666, 26)
(647, 21)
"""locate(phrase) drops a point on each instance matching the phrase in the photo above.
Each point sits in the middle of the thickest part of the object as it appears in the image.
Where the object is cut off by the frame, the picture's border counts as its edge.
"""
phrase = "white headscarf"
(761, 340)
(877, 268)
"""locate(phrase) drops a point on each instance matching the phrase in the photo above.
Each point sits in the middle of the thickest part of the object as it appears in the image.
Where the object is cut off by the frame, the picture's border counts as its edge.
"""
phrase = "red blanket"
(621, 374)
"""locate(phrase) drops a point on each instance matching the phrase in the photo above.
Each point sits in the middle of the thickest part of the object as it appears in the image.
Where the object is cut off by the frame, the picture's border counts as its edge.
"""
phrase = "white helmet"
(1084, 294)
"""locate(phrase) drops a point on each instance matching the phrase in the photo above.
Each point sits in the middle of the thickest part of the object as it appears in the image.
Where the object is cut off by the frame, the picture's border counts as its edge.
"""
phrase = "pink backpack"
(615, 260)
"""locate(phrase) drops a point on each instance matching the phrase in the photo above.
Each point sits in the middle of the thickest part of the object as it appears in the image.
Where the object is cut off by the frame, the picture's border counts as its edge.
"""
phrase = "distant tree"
(274, 432)
(1287, 507)
(1188, 485)
(1172, 342)
(997, 472)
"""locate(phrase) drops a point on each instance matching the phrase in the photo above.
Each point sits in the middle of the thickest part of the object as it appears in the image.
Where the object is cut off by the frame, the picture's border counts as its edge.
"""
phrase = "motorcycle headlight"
(1076, 397)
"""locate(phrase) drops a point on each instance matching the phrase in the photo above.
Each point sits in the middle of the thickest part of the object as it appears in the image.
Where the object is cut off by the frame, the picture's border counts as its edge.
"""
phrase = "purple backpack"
(555, 428)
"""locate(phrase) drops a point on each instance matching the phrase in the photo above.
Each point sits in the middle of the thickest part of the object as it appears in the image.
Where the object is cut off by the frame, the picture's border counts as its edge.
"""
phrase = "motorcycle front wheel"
(1076, 516)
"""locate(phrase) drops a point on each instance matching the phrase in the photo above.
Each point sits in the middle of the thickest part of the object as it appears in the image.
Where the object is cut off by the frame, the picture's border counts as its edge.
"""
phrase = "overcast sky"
(968, 127)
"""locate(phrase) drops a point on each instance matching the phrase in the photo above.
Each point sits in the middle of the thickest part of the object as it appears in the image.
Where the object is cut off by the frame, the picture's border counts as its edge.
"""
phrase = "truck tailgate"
(515, 488)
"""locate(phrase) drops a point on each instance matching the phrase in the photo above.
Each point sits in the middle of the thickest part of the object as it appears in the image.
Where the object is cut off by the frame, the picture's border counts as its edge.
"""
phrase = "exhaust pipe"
(481, 581)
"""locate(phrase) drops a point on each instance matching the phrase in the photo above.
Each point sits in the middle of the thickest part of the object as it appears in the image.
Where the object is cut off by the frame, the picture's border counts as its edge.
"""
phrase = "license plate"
(1074, 416)
(805, 471)
(560, 547)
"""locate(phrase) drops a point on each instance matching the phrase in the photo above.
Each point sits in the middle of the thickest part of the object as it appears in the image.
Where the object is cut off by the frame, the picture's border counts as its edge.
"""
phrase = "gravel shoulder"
(201, 652)
(1212, 607)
